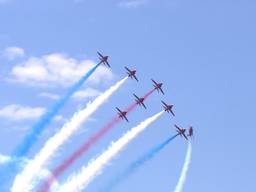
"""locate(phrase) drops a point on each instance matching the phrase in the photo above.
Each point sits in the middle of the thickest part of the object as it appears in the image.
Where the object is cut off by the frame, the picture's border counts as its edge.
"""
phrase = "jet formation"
(140, 101)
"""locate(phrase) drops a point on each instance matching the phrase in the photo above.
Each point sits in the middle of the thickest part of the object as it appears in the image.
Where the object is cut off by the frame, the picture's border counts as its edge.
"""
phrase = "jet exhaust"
(183, 176)
(23, 180)
(86, 146)
(134, 166)
(33, 135)
(87, 173)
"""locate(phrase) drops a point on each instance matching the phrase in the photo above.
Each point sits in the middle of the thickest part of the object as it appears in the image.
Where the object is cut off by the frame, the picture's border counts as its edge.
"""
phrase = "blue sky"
(204, 52)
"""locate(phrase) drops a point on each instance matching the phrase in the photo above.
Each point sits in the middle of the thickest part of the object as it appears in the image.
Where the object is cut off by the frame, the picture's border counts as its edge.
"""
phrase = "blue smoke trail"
(32, 137)
(137, 164)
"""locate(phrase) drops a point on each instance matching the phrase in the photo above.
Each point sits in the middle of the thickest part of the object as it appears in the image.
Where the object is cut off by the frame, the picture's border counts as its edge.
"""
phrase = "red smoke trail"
(85, 147)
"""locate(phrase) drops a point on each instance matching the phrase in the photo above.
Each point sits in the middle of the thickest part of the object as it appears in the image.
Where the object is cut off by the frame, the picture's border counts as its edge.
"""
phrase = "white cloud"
(17, 112)
(4, 159)
(49, 95)
(87, 93)
(131, 3)
(13, 52)
(57, 70)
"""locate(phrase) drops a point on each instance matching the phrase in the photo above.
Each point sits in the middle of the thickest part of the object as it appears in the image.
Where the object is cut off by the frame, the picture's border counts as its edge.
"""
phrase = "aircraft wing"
(136, 96)
(143, 105)
(107, 64)
(127, 69)
(172, 113)
(135, 78)
(164, 103)
(184, 136)
(100, 54)
(154, 81)
(177, 127)
(125, 118)
(161, 90)
(118, 110)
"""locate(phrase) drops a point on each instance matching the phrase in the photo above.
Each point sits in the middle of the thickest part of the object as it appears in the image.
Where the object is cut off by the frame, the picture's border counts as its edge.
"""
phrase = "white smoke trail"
(184, 171)
(24, 181)
(87, 173)
(42, 174)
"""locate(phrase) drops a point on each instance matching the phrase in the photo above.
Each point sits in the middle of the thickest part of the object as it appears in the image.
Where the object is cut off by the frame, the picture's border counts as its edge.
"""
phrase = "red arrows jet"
(191, 132)
(181, 132)
(168, 108)
(103, 59)
(122, 114)
(140, 101)
(158, 86)
(131, 73)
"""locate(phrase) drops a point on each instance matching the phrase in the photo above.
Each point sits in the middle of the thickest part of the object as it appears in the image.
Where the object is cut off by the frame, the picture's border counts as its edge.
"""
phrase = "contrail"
(24, 181)
(87, 145)
(184, 171)
(80, 181)
(137, 164)
(43, 173)
(33, 135)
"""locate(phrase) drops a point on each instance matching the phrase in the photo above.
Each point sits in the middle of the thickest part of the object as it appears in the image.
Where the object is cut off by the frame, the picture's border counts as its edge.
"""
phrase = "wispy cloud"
(87, 93)
(57, 70)
(49, 95)
(15, 112)
(131, 3)
(14, 52)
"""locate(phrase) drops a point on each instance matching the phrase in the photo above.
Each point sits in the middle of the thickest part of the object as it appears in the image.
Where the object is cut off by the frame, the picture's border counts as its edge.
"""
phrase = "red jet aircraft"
(158, 86)
(140, 101)
(131, 73)
(103, 59)
(122, 114)
(168, 108)
(181, 132)
(191, 132)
